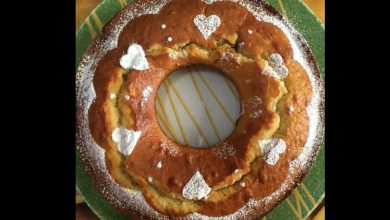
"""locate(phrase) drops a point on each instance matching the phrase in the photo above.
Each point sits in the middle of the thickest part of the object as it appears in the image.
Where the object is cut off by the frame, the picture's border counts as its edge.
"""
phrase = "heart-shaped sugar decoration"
(196, 188)
(126, 139)
(207, 25)
(135, 58)
(275, 67)
(271, 148)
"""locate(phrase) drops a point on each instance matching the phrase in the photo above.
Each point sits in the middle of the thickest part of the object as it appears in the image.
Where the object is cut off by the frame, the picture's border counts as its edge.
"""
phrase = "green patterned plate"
(304, 199)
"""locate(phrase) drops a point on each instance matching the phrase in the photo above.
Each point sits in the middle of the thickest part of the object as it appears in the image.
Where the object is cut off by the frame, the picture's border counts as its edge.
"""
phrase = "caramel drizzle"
(175, 113)
(165, 116)
(188, 111)
(215, 96)
(165, 124)
(231, 88)
(204, 104)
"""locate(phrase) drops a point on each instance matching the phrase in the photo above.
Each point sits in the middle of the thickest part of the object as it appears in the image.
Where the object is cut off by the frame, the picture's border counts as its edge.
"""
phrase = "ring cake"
(144, 173)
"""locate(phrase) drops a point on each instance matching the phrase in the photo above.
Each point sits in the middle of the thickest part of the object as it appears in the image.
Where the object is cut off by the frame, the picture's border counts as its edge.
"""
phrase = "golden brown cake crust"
(241, 56)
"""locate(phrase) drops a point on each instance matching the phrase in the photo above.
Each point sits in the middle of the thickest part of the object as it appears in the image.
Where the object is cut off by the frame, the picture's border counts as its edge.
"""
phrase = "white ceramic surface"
(197, 106)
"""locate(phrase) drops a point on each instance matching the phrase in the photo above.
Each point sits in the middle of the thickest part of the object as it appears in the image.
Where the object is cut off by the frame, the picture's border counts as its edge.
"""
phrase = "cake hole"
(197, 106)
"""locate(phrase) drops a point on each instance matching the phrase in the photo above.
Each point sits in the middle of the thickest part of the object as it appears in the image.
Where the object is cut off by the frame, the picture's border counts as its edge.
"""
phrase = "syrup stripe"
(215, 96)
(175, 112)
(231, 88)
(188, 111)
(161, 118)
(199, 92)
(165, 116)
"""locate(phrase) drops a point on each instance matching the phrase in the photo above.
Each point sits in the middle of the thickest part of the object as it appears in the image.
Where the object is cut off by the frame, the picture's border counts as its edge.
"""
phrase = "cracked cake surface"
(144, 173)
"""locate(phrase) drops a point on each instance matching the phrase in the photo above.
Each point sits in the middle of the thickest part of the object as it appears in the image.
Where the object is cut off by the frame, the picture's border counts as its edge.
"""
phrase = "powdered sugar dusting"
(227, 56)
(172, 150)
(240, 45)
(159, 164)
(113, 34)
(241, 213)
(89, 150)
(114, 193)
(271, 148)
(208, 1)
(247, 211)
(254, 102)
(126, 139)
(145, 95)
(174, 55)
(93, 154)
(207, 25)
(315, 108)
(275, 67)
(135, 58)
(196, 188)
(255, 114)
(224, 150)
